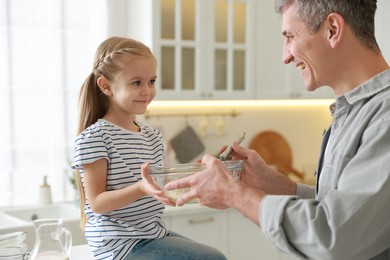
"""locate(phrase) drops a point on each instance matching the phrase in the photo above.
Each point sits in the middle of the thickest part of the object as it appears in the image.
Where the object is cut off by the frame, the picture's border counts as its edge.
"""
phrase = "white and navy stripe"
(113, 235)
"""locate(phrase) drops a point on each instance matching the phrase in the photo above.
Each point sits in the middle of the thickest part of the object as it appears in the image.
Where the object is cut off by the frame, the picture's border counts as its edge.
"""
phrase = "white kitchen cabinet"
(196, 54)
(204, 49)
(223, 49)
(227, 230)
(247, 241)
(206, 226)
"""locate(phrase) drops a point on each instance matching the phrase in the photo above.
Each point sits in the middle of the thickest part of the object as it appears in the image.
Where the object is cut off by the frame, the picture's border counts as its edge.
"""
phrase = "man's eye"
(288, 36)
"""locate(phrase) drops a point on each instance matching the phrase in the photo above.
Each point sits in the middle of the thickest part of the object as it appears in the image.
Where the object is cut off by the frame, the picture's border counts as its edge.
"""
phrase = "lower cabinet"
(227, 230)
(247, 241)
(209, 228)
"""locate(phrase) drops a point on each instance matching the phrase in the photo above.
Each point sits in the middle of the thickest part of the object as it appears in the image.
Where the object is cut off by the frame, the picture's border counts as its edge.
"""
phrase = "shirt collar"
(369, 88)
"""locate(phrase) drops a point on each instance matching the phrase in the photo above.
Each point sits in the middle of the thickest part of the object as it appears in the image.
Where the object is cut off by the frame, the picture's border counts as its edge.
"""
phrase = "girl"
(122, 204)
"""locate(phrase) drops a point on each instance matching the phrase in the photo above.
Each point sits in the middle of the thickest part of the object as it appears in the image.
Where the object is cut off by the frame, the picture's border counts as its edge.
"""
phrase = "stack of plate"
(12, 246)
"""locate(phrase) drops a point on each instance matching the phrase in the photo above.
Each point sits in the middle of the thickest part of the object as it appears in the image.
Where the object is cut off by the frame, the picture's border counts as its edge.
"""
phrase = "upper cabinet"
(203, 48)
(216, 49)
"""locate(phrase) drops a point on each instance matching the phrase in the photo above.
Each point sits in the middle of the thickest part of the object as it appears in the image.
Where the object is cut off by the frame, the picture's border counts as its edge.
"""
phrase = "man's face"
(307, 51)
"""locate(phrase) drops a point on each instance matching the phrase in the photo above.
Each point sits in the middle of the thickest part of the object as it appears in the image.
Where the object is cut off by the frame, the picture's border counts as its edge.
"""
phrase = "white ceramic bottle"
(45, 192)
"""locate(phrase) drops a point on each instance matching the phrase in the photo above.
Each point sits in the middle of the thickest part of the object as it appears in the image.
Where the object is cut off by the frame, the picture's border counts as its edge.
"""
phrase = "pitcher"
(52, 240)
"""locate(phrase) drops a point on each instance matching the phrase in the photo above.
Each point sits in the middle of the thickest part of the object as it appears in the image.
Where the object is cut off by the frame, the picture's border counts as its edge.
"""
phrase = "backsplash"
(301, 123)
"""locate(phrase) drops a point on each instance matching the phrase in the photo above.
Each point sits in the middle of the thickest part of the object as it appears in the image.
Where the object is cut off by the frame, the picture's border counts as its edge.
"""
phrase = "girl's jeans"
(173, 247)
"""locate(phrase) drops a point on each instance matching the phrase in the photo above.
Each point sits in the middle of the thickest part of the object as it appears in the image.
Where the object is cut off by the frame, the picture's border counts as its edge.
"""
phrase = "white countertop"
(81, 252)
(188, 209)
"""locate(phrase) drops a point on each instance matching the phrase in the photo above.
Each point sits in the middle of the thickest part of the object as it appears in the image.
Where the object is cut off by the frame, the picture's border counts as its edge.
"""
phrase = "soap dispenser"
(45, 192)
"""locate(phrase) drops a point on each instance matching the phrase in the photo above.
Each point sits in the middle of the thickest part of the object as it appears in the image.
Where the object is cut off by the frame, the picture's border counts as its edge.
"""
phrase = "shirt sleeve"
(305, 191)
(352, 221)
(89, 147)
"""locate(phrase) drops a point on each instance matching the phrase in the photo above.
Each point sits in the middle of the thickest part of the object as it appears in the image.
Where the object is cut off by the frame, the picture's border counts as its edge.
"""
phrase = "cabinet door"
(206, 228)
(203, 49)
(247, 241)
(230, 52)
(177, 47)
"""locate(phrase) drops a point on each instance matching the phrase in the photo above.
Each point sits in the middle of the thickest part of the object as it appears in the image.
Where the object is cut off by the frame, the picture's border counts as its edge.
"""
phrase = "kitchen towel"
(187, 145)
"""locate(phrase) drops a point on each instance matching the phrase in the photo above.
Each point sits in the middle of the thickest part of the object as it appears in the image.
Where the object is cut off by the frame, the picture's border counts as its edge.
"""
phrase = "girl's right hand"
(150, 187)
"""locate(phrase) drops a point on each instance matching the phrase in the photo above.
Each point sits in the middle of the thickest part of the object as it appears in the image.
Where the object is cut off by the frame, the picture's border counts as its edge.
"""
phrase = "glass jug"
(52, 240)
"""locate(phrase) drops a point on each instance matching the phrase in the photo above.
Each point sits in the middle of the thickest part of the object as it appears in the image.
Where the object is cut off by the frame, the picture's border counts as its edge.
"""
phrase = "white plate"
(11, 239)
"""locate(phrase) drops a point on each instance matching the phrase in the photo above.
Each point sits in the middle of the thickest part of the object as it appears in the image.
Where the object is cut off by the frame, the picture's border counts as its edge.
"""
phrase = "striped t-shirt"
(114, 234)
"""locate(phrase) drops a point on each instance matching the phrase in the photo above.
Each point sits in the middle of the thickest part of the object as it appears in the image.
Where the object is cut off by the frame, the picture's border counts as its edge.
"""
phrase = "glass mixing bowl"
(164, 174)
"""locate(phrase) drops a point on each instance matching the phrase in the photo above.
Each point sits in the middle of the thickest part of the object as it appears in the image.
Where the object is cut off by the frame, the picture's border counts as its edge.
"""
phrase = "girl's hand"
(149, 186)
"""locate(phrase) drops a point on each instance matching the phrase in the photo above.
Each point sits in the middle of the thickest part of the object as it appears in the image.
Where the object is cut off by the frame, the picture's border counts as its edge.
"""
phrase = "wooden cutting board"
(276, 151)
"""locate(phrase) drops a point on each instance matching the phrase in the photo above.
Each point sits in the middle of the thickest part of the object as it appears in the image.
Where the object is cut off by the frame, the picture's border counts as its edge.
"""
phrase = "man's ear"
(104, 85)
(335, 26)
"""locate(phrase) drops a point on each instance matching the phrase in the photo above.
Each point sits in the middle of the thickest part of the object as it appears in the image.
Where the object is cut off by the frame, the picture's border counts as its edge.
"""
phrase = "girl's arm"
(102, 201)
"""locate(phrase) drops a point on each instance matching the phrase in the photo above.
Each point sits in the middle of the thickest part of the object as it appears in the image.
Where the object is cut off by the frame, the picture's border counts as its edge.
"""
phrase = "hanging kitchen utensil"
(275, 151)
(187, 145)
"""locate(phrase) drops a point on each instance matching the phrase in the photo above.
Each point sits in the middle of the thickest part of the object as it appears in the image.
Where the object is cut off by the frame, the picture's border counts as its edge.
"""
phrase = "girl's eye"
(137, 83)
(152, 82)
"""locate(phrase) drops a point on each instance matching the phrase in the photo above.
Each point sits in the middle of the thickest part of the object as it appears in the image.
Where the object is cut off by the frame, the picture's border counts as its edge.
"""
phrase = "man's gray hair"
(358, 14)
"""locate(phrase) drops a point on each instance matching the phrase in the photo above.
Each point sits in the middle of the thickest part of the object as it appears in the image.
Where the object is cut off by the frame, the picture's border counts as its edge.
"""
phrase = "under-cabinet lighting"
(238, 103)
(224, 107)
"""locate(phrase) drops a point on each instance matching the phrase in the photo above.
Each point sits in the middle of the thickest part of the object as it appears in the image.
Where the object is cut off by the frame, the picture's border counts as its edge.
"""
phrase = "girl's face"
(133, 88)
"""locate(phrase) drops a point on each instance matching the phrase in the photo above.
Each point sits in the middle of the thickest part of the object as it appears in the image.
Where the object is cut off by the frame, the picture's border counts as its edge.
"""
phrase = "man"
(347, 214)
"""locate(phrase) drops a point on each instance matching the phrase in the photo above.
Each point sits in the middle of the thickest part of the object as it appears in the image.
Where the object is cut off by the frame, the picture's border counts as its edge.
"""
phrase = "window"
(46, 50)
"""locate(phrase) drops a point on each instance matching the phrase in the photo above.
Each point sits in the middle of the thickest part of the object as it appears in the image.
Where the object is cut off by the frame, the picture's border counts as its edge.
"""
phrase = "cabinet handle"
(295, 95)
(200, 221)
